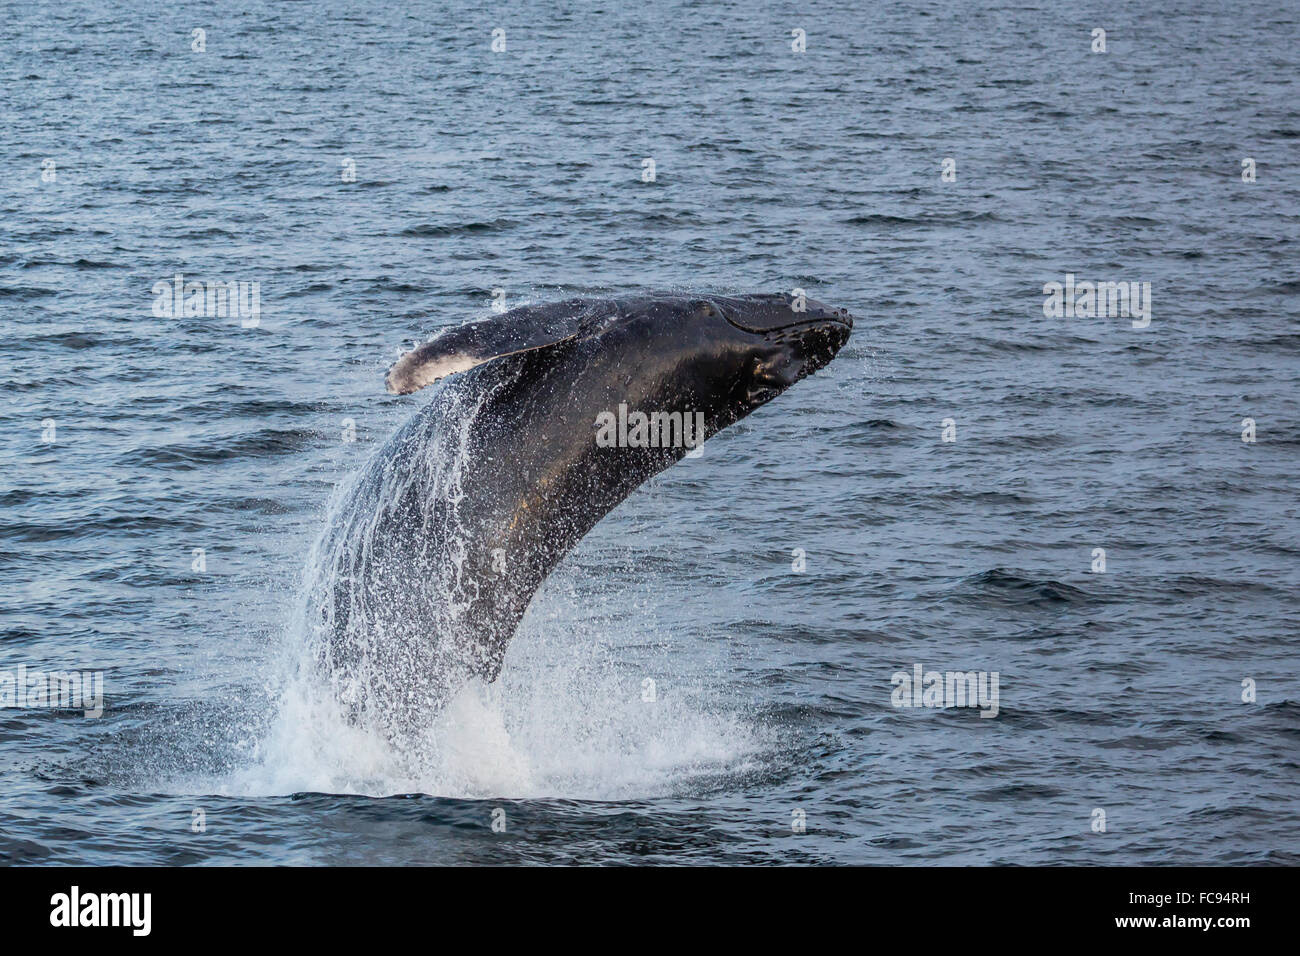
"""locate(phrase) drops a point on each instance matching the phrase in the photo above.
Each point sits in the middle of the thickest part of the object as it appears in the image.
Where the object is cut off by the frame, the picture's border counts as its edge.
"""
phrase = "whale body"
(551, 416)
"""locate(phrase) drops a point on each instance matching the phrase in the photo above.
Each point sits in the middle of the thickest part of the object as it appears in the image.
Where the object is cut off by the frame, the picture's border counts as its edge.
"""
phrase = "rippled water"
(522, 170)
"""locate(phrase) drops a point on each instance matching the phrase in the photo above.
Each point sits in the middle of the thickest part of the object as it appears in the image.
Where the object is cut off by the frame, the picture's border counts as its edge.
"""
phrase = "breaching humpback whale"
(552, 416)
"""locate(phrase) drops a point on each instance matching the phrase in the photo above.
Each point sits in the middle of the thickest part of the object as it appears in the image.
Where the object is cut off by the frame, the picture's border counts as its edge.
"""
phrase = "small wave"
(25, 292)
(884, 219)
(454, 229)
(267, 442)
(69, 340)
(1013, 587)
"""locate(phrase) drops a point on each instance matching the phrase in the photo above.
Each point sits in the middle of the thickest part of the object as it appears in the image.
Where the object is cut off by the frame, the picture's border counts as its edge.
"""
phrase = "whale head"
(782, 339)
(721, 356)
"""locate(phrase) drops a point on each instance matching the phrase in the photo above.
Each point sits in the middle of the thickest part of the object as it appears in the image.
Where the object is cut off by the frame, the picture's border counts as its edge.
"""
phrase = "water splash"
(386, 588)
(379, 626)
(547, 728)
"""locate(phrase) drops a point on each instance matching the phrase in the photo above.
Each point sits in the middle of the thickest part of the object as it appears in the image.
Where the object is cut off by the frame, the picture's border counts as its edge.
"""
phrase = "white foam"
(568, 727)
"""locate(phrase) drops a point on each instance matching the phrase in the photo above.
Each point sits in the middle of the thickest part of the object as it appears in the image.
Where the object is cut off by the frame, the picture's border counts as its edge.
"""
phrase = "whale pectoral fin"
(520, 330)
(456, 351)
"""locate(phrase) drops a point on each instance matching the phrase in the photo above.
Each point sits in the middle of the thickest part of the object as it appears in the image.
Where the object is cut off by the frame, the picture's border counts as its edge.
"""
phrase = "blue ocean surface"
(1101, 510)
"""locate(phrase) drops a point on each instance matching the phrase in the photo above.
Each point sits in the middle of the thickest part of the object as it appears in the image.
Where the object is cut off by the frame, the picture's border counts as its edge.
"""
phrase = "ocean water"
(379, 172)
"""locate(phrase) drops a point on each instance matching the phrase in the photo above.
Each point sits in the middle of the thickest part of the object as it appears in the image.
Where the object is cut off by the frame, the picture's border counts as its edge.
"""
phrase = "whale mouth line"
(820, 321)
